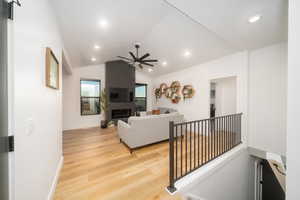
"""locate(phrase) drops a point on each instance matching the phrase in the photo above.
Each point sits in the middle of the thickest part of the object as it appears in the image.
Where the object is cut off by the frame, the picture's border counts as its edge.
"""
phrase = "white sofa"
(141, 131)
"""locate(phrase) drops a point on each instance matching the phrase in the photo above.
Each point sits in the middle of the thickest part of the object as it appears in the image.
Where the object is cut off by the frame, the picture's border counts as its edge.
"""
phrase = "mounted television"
(119, 95)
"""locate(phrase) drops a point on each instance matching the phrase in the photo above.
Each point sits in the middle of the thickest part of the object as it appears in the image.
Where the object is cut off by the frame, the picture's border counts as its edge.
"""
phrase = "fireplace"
(120, 90)
(120, 113)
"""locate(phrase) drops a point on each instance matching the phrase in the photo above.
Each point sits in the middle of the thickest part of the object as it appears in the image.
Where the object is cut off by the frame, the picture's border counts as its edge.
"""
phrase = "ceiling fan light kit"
(135, 60)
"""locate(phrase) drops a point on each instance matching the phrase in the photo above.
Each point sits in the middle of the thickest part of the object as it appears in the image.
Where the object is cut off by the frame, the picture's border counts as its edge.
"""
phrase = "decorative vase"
(103, 124)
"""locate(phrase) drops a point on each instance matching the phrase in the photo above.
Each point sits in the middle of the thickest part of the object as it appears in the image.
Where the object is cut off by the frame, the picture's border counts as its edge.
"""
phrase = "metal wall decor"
(174, 92)
(163, 88)
(175, 98)
(157, 93)
(168, 93)
(188, 91)
(175, 87)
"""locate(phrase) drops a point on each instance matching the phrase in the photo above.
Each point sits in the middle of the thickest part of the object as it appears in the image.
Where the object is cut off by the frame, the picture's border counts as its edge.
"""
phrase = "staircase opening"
(193, 144)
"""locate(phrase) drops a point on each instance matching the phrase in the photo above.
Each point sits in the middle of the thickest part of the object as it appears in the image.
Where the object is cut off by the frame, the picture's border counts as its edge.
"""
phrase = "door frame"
(10, 93)
(4, 105)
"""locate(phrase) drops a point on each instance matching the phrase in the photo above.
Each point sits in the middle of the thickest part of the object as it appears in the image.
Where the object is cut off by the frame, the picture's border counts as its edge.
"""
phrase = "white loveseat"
(141, 131)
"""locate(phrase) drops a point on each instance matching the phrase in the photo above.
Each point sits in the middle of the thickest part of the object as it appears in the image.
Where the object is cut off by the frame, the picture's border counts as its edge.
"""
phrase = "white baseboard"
(55, 180)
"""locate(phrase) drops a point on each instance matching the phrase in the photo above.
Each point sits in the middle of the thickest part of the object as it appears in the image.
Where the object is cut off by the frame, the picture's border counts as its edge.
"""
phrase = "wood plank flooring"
(98, 167)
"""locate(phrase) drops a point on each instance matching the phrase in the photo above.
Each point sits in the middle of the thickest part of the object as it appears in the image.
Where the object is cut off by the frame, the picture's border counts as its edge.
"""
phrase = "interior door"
(4, 177)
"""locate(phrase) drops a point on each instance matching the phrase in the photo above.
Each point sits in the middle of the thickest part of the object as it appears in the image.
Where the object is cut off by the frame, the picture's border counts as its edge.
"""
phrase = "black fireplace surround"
(120, 113)
(120, 87)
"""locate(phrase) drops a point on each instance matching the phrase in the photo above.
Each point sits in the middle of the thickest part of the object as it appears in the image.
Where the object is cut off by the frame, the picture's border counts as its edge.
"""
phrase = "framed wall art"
(52, 70)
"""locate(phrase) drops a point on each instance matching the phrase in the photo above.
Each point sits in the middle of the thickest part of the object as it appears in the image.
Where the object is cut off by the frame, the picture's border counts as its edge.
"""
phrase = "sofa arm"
(123, 128)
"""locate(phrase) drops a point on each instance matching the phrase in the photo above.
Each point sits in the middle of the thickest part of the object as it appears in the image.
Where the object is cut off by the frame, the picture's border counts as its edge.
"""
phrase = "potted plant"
(103, 104)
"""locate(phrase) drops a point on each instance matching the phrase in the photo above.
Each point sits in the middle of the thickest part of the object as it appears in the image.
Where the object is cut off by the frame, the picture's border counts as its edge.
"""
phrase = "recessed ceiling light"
(254, 18)
(164, 63)
(150, 70)
(187, 53)
(97, 47)
(93, 59)
(103, 23)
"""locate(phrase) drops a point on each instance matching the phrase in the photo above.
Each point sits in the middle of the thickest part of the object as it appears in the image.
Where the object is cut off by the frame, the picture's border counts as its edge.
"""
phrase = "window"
(141, 97)
(90, 97)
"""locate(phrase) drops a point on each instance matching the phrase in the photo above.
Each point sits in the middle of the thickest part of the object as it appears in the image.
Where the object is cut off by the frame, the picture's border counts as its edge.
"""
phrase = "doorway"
(223, 96)
(4, 159)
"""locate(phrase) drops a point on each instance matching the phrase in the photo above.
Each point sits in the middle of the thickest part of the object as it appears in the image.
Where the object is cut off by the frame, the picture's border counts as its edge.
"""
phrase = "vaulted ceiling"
(208, 29)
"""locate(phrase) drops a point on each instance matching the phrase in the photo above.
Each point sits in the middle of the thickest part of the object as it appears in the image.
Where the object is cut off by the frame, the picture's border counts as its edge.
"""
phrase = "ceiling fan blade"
(132, 55)
(149, 60)
(125, 58)
(144, 56)
(147, 64)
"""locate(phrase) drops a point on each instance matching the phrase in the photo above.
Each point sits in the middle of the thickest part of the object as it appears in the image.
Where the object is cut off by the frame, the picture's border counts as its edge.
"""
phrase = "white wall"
(293, 113)
(37, 109)
(266, 81)
(225, 96)
(72, 118)
(233, 181)
(200, 76)
(267, 98)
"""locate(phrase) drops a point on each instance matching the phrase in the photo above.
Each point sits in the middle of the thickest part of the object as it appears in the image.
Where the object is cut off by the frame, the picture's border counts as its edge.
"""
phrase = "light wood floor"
(98, 167)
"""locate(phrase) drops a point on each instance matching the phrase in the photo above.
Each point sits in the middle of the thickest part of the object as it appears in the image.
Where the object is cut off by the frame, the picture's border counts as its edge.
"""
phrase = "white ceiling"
(229, 19)
(207, 28)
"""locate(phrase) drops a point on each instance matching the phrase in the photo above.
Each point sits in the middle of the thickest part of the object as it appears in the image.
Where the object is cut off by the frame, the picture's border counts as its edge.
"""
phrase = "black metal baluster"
(176, 152)
(223, 143)
(228, 133)
(195, 148)
(205, 142)
(217, 132)
(218, 138)
(224, 134)
(231, 145)
(202, 138)
(191, 146)
(213, 140)
(231, 122)
(171, 159)
(198, 143)
(209, 140)
(221, 134)
(235, 129)
(181, 138)
(230, 128)
(227, 141)
(186, 153)
(238, 118)
(240, 127)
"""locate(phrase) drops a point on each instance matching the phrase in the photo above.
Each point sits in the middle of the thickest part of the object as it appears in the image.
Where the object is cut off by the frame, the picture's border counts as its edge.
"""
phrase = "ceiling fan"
(139, 61)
